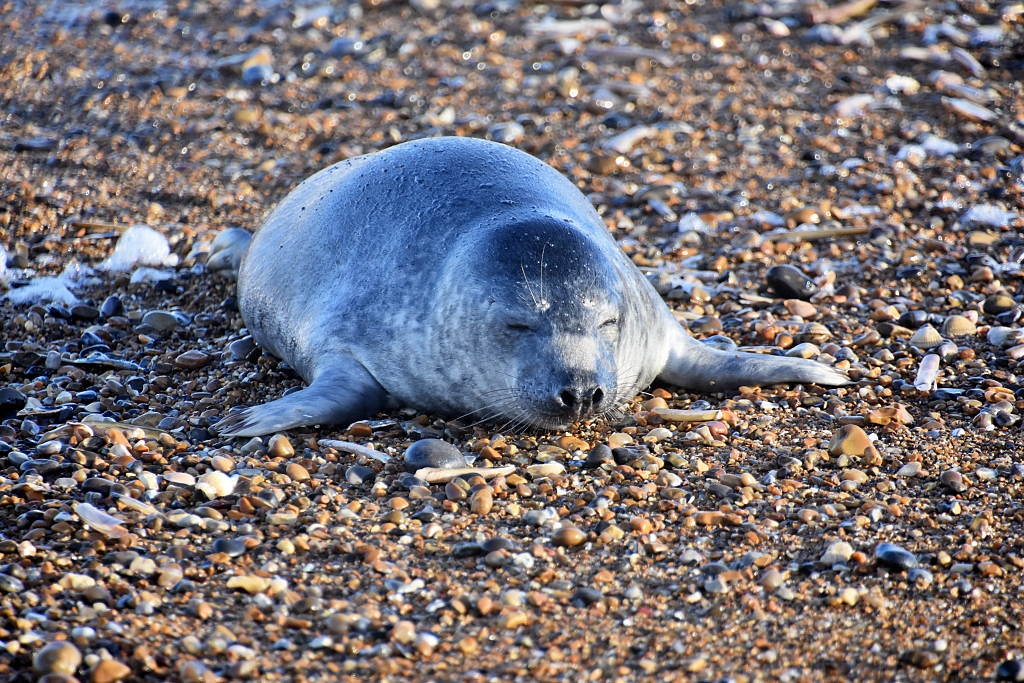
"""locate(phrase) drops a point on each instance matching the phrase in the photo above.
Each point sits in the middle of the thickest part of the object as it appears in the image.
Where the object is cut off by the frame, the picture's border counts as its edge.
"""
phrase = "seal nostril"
(567, 398)
(598, 396)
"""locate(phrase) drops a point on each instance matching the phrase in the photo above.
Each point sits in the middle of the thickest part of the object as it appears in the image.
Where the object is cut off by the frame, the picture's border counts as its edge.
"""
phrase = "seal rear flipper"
(342, 394)
(693, 365)
(226, 251)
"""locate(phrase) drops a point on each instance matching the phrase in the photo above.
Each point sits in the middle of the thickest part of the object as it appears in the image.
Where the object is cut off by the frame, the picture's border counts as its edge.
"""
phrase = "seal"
(465, 278)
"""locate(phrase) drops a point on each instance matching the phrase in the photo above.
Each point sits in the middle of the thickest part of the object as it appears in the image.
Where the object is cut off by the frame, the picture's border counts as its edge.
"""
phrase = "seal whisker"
(498, 402)
(545, 246)
(532, 295)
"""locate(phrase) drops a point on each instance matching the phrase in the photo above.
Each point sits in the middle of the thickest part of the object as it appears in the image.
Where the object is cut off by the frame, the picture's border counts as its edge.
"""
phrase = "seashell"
(1004, 336)
(968, 61)
(927, 373)
(926, 337)
(815, 333)
(958, 326)
(969, 110)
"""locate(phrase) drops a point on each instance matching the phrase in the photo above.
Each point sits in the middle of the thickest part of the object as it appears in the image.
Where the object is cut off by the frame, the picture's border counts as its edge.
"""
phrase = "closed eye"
(519, 327)
(611, 322)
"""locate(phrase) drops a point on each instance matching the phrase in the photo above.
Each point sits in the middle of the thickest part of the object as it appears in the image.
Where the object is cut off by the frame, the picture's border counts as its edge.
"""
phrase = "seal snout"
(577, 400)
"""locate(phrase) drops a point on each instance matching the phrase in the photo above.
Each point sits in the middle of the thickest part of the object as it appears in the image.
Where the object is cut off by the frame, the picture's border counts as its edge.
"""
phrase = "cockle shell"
(958, 326)
(926, 337)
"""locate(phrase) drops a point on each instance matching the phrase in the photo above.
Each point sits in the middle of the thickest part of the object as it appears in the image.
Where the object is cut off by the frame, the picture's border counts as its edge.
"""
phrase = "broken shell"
(927, 373)
(958, 326)
(926, 337)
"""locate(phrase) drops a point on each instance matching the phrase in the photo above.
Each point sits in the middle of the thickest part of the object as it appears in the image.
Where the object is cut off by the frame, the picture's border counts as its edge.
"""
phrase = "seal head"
(542, 312)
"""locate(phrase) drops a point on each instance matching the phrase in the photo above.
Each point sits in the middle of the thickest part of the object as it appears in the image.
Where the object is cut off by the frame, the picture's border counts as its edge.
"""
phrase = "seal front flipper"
(693, 365)
(341, 393)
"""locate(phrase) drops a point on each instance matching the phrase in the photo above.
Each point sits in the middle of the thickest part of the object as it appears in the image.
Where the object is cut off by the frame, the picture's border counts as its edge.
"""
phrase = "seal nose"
(578, 399)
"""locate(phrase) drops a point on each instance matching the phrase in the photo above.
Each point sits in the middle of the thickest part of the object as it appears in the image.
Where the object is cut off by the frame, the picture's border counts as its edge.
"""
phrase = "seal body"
(462, 277)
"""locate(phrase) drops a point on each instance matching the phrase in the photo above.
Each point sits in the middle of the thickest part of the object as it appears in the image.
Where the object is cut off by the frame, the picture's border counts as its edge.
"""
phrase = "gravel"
(791, 181)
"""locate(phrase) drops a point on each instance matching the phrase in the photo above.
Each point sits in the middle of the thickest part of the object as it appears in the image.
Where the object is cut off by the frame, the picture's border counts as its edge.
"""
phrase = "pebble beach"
(842, 182)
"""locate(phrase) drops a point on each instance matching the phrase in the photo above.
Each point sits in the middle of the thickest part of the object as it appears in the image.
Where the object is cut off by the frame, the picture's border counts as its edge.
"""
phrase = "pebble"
(112, 306)
(192, 360)
(568, 537)
(849, 440)
(599, 455)
(895, 557)
(837, 553)
(11, 401)
(1010, 670)
(894, 230)
(433, 453)
(280, 447)
(109, 671)
(357, 475)
(789, 283)
(161, 321)
(58, 657)
(243, 349)
(953, 480)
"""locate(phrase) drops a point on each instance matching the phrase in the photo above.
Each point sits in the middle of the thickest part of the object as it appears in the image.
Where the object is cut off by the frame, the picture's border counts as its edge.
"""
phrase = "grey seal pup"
(463, 277)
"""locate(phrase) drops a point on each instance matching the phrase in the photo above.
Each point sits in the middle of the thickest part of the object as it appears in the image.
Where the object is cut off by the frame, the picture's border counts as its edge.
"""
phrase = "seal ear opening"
(697, 366)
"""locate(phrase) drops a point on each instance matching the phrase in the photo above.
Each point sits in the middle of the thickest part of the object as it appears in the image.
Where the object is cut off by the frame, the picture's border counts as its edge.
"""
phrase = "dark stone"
(599, 455)
(345, 46)
(257, 74)
(43, 466)
(111, 307)
(1010, 670)
(83, 312)
(464, 550)
(198, 435)
(706, 324)
(616, 120)
(623, 455)
(789, 283)
(588, 596)
(98, 485)
(58, 311)
(433, 453)
(232, 547)
(166, 424)
(498, 543)
(10, 584)
(409, 481)
(913, 319)
(357, 475)
(11, 401)
(894, 557)
(909, 273)
(1009, 317)
(244, 349)
(426, 515)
